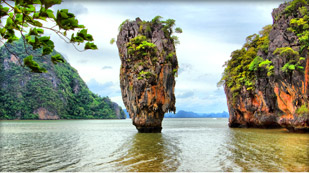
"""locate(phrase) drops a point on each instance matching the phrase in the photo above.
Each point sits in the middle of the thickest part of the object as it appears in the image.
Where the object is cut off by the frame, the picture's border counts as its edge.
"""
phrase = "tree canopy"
(30, 18)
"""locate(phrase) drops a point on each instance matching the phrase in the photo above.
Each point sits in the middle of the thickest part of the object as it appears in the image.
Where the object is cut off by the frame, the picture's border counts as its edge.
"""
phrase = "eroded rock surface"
(147, 74)
(277, 99)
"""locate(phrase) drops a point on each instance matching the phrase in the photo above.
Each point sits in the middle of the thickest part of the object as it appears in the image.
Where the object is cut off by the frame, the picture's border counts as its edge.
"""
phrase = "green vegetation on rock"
(300, 25)
(294, 60)
(241, 68)
(61, 91)
(247, 65)
(139, 47)
(303, 109)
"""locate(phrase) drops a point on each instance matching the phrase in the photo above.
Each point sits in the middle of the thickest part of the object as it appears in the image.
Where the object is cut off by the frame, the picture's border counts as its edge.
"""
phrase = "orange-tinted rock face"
(276, 99)
(44, 114)
(147, 82)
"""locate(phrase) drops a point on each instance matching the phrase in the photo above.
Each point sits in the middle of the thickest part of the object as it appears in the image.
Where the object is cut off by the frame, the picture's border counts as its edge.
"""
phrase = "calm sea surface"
(115, 145)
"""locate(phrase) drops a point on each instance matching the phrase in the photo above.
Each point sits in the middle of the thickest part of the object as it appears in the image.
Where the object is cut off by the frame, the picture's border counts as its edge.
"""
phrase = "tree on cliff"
(30, 18)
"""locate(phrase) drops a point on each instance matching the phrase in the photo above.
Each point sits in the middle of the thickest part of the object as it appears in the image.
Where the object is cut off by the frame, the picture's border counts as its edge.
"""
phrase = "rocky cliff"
(148, 68)
(58, 94)
(266, 82)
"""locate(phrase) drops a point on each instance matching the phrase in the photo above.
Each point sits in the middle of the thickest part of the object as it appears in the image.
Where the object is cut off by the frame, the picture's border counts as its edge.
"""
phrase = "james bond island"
(148, 69)
(266, 82)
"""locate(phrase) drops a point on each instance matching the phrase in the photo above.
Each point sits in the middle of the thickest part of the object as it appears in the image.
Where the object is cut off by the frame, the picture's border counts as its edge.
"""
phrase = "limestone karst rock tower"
(267, 81)
(148, 69)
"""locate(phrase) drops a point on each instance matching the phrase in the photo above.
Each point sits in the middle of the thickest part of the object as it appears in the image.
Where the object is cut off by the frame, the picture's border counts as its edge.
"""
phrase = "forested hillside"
(58, 94)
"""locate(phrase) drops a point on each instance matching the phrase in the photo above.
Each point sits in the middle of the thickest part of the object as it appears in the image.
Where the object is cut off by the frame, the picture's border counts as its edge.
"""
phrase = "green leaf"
(57, 58)
(17, 10)
(84, 35)
(112, 41)
(30, 8)
(9, 22)
(33, 65)
(178, 30)
(300, 67)
(90, 46)
(80, 26)
(89, 37)
(36, 15)
(33, 31)
(50, 3)
(64, 15)
(12, 39)
(18, 18)
(37, 23)
(3, 11)
(44, 38)
(40, 31)
(50, 14)
(47, 50)
(292, 67)
(2, 31)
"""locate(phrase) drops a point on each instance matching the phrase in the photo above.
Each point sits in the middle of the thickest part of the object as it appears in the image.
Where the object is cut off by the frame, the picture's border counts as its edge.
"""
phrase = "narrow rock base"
(149, 129)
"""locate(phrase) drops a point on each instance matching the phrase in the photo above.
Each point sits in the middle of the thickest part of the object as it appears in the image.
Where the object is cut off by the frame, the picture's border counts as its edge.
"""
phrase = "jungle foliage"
(241, 69)
(60, 90)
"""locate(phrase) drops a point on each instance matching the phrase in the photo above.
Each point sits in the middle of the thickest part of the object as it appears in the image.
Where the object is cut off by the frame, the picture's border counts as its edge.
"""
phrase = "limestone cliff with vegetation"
(148, 69)
(266, 81)
(59, 93)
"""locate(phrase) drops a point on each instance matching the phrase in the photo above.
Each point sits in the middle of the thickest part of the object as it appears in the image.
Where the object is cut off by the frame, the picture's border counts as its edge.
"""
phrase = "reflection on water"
(35, 151)
(114, 145)
(266, 150)
(148, 152)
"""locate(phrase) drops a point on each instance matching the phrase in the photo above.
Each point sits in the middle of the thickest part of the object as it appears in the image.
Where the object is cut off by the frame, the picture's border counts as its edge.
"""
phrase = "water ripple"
(114, 145)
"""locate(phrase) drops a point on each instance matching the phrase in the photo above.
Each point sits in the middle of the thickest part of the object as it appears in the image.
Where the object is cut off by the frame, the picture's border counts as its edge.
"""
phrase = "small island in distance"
(188, 114)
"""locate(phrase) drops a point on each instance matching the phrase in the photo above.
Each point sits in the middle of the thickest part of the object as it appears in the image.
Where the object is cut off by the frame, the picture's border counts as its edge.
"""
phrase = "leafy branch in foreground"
(30, 19)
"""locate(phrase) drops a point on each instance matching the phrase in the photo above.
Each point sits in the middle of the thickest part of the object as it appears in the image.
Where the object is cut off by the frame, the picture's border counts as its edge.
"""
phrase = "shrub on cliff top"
(293, 58)
(156, 19)
(300, 25)
(254, 65)
(293, 6)
(139, 47)
(240, 69)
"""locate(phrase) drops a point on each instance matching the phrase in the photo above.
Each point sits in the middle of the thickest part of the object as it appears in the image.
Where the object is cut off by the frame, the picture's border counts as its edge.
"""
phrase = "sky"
(211, 31)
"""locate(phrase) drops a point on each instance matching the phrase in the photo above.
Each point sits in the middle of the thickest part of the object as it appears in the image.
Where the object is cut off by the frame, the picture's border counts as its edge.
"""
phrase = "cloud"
(104, 89)
(184, 67)
(185, 95)
(83, 61)
(106, 67)
(75, 8)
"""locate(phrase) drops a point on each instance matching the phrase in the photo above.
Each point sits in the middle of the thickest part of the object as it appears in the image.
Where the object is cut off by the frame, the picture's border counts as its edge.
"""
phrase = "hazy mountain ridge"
(188, 114)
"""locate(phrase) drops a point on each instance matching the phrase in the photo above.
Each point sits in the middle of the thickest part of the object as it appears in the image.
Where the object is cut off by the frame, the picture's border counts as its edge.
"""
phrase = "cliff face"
(147, 73)
(278, 94)
(58, 94)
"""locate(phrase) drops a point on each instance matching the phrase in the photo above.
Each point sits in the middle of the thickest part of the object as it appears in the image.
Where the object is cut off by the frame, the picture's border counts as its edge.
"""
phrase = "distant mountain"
(185, 114)
(127, 113)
